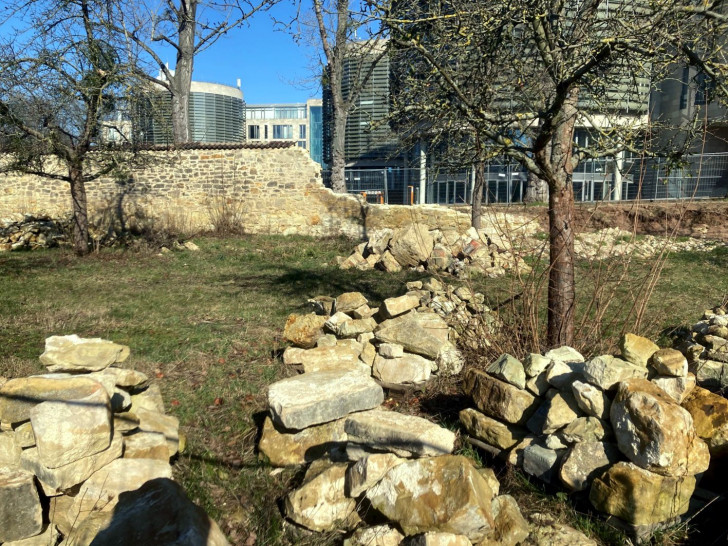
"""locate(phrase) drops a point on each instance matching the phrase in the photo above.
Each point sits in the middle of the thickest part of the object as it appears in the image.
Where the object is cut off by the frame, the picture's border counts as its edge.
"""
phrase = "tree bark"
(182, 79)
(537, 190)
(338, 155)
(80, 210)
(477, 205)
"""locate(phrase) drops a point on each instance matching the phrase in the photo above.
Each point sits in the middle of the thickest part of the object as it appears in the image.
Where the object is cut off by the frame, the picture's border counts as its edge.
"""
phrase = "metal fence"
(699, 176)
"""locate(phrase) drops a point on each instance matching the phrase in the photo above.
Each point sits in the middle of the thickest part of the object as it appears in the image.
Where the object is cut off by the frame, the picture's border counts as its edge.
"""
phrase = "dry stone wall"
(273, 190)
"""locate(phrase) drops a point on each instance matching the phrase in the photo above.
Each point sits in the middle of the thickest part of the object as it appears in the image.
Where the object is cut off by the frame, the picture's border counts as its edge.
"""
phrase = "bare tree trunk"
(338, 156)
(182, 79)
(477, 205)
(561, 292)
(80, 211)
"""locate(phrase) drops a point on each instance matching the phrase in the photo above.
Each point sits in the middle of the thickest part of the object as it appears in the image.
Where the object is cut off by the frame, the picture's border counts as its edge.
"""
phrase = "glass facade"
(316, 134)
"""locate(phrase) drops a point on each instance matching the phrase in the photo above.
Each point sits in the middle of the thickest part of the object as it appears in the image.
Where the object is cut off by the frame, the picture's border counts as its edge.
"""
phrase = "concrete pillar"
(618, 176)
(423, 174)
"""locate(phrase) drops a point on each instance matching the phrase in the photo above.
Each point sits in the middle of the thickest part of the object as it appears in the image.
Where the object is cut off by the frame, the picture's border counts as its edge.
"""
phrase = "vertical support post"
(423, 173)
(386, 187)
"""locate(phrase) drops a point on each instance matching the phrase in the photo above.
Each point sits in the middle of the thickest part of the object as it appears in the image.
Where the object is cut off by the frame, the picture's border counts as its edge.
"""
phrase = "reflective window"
(282, 131)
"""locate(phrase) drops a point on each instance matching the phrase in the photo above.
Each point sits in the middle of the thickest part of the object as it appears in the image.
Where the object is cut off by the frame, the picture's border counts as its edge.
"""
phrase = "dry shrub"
(226, 215)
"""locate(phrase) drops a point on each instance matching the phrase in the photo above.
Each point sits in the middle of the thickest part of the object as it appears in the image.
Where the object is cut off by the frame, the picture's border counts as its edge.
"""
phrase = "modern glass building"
(217, 114)
(297, 122)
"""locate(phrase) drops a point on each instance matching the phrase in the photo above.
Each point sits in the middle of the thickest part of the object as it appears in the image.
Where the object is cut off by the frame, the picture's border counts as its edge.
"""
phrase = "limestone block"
(420, 333)
(388, 263)
(547, 532)
(677, 387)
(304, 330)
(509, 369)
(391, 350)
(294, 448)
(710, 417)
(146, 445)
(355, 327)
(394, 307)
(591, 400)
(68, 430)
(564, 354)
(334, 321)
(378, 535)
(498, 399)
(21, 515)
(411, 245)
(364, 312)
(437, 539)
(654, 432)
(292, 355)
(48, 537)
(534, 364)
(318, 397)
(9, 450)
(65, 477)
(585, 461)
(639, 496)
(320, 503)
(19, 396)
(168, 425)
(541, 462)
(338, 358)
(148, 399)
(637, 349)
(670, 362)
(556, 411)
(449, 361)
(367, 471)
(606, 371)
(409, 369)
(491, 431)
(348, 301)
(511, 528)
(538, 385)
(398, 433)
(125, 422)
(562, 375)
(75, 354)
(368, 354)
(412, 495)
(379, 240)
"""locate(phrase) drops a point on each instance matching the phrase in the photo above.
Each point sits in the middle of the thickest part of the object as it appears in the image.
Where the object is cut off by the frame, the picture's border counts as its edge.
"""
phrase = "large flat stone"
(411, 245)
(585, 461)
(296, 448)
(710, 417)
(65, 477)
(9, 450)
(21, 515)
(318, 397)
(491, 431)
(606, 371)
(499, 399)
(509, 369)
(637, 349)
(168, 425)
(591, 400)
(445, 494)
(19, 396)
(75, 354)
(420, 333)
(338, 358)
(402, 434)
(408, 369)
(304, 330)
(639, 496)
(68, 430)
(367, 471)
(396, 306)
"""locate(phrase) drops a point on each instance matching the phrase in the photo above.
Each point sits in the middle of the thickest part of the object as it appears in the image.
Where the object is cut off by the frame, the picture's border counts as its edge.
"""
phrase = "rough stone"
(565, 354)
(125, 422)
(294, 448)
(656, 433)
(586, 429)
(562, 374)
(669, 362)
(639, 496)
(409, 369)
(541, 462)
(515, 455)
(450, 360)
(304, 330)
(168, 425)
(547, 532)
(364, 312)
(558, 410)
(19, 396)
(378, 535)
(318, 397)
(411, 245)
(394, 307)
(420, 333)
(498, 399)
(49, 537)
(65, 477)
(411, 495)
(437, 539)
(367, 471)
(401, 434)
(585, 461)
(591, 400)
(320, 503)
(9, 450)
(124, 378)
(677, 387)
(710, 417)
(606, 371)
(637, 349)
(509, 369)
(21, 515)
(68, 430)
(391, 350)
(538, 385)
(355, 327)
(348, 301)
(149, 399)
(368, 354)
(388, 263)
(711, 373)
(491, 431)
(510, 526)
(146, 445)
(338, 358)
(534, 364)
(75, 354)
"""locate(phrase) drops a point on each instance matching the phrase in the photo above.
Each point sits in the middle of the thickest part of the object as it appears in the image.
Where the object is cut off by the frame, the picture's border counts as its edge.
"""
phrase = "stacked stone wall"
(269, 190)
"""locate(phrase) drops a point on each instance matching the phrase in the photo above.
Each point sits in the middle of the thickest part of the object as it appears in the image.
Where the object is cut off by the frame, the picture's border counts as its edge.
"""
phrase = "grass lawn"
(208, 325)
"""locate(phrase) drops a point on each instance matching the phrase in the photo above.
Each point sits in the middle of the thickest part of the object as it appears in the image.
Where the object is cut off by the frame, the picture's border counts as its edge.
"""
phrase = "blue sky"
(271, 66)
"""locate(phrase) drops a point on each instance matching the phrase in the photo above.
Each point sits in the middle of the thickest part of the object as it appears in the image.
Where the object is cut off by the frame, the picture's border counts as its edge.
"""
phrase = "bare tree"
(523, 76)
(188, 27)
(339, 29)
(60, 77)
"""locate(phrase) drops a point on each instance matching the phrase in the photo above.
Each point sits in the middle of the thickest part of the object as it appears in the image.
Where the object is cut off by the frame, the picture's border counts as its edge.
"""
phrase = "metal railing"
(700, 176)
